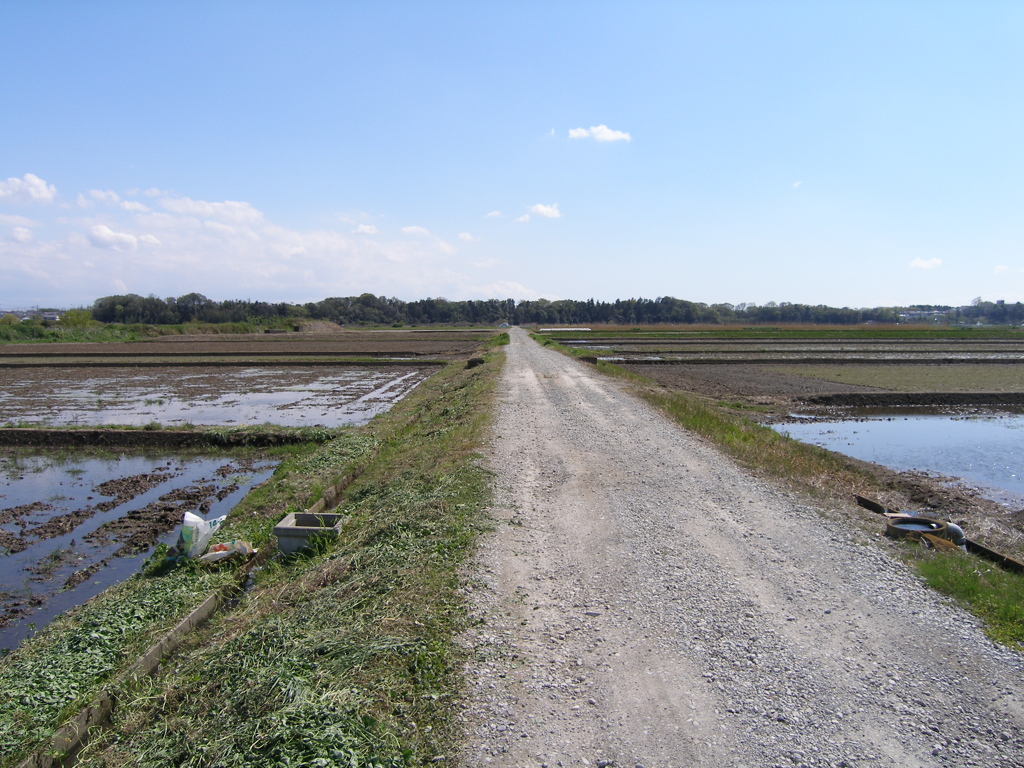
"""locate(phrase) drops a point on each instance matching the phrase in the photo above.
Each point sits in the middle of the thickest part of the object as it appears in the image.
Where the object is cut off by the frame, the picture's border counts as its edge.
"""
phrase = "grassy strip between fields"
(61, 669)
(54, 674)
(994, 595)
(775, 333)
(343, 657)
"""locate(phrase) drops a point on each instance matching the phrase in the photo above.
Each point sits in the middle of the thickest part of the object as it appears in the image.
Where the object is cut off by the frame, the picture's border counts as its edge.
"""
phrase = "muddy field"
(70, 527)
(443, 345)
(831, 391)
(198, 395)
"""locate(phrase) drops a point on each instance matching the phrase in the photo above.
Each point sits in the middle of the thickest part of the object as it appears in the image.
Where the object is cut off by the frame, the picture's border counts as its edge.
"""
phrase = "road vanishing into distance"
(643, 601)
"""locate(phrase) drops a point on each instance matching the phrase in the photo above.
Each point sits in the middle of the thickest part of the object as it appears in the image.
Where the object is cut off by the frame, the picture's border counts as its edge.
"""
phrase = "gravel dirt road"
(643, 601)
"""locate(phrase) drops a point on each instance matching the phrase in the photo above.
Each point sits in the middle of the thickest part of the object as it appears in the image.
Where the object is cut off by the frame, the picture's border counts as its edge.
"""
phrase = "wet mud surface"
(69, 529)
(779, 393)
(368, 343)
(202, 395)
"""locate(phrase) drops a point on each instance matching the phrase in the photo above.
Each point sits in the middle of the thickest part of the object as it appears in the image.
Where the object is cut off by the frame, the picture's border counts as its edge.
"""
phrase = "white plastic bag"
(196, 534)
(228, 549)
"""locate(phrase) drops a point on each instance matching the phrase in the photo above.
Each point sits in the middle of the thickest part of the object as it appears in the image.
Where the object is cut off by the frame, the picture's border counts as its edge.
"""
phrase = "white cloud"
(356, 217)
(104, 197)
(466, 237)
(365, 229)
(797, 184)
(486, 263)
(28, 189)
(919, 263)
(1001, 270)
(21, 234)
(224, 250)
(18, 221)
(493, 215)
(103, 236)
(508, 290)
(547, 211)
(230, 210)
(216, 226)
(599, 133)
(525, 217)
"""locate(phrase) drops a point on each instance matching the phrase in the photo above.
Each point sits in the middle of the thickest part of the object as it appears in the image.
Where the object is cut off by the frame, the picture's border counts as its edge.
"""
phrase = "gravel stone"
(705, 617)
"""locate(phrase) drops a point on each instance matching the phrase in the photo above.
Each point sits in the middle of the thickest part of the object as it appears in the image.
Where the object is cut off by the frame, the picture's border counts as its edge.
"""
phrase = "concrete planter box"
(298, 530)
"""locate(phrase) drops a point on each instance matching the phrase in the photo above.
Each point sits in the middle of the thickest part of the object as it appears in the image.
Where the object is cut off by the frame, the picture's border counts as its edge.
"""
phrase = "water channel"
(985, 451)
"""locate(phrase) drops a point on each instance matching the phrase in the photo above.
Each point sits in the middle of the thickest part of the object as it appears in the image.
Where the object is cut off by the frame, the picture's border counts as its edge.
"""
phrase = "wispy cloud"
(493, 215)
(103, 236)
(107, 196)
(229, 210)
(599, 133)
(28, 189)
(509, 290)
(1002, 269)
(919, 263)
(224, 249)
(539, 209)
(547, 211)
(17, 221)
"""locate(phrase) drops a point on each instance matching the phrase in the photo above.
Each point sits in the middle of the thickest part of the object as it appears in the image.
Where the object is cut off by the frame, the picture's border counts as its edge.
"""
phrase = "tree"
(76, 318)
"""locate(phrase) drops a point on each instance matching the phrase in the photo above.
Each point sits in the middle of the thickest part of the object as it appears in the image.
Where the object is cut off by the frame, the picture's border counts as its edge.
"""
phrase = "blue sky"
(852, 154)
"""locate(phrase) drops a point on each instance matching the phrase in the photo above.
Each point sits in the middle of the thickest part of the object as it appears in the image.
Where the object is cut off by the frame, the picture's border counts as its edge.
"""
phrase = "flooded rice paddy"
(174, 396)
(70, 528)
(985, 451)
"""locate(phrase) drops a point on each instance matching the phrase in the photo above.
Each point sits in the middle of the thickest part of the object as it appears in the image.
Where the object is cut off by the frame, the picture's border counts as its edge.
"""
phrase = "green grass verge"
(995, 595)
(344, 657)
(55, 673)
(499, 340)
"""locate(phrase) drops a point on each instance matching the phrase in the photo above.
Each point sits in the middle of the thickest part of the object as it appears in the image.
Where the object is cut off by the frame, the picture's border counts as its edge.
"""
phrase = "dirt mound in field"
(66, 438)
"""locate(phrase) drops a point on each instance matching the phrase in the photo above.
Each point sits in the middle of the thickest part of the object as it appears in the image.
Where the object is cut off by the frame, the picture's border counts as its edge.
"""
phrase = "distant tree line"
(380, 310)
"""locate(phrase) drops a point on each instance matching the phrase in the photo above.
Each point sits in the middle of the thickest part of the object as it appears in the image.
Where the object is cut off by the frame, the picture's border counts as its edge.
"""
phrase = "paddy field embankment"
(380, 598)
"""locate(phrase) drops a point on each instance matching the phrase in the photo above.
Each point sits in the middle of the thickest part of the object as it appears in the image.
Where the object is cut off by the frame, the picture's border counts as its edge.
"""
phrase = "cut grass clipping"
(56, 673)
(343, 657)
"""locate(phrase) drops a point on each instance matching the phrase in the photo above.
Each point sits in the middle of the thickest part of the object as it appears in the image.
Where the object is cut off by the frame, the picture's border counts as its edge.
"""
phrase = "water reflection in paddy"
(986, 451)
(293, 397)
(63, 531)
